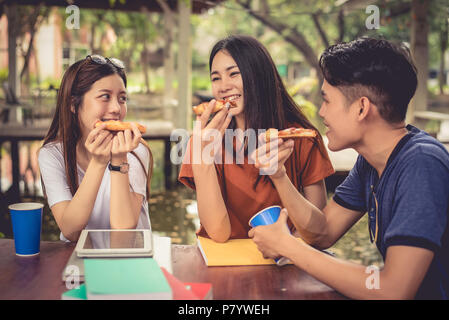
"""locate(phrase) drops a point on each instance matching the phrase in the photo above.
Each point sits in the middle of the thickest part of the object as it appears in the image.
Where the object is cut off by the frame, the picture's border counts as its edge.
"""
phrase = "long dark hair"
(267, 104)
(65, 126)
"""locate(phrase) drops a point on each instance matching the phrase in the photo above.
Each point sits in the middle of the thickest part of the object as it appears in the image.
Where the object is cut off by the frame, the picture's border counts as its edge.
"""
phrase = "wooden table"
(39, 277)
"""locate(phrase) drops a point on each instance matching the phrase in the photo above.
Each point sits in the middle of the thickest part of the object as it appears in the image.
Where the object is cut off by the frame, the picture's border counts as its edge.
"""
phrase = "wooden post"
(169, 61)
(14, 190)
(184, 66)
(420, 51)
(15, 111)
(11, 12)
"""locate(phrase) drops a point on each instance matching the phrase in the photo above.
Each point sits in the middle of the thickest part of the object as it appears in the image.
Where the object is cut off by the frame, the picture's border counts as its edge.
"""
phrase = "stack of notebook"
(133, 278)
(122, 279)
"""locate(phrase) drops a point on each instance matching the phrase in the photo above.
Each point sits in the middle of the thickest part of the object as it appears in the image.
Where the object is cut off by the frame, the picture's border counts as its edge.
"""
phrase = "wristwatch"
(123, 168)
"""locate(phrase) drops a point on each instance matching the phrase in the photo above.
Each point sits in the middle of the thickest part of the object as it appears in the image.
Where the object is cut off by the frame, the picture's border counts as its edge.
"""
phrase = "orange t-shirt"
(307, 165)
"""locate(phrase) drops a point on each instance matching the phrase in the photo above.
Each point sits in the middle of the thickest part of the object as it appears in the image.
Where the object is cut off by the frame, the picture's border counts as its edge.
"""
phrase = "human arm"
(411, 232)
(72, 213)
(316, 194)
(125, 205)
(319, 228)
(403, 272)
(317, 224)
(211, 206)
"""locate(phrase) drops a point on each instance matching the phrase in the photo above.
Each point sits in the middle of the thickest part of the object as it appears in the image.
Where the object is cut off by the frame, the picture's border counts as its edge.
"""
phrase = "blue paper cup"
(26, 225)
(265, 217)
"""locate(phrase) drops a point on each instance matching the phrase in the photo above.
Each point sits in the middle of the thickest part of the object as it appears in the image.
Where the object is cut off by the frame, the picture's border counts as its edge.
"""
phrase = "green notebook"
(75, 294)
(131, 278)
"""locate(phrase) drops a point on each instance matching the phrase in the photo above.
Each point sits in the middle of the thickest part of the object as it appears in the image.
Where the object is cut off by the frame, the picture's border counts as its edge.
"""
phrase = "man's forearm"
(352, 280)
(309, 221)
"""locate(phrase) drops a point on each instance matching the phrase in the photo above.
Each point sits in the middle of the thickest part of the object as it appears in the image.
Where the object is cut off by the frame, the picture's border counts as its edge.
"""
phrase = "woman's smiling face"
(227, 81)
(106, 100)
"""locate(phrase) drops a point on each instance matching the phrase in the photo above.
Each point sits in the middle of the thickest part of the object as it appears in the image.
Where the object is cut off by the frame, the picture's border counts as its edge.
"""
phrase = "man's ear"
(365, 106)
(72, 108)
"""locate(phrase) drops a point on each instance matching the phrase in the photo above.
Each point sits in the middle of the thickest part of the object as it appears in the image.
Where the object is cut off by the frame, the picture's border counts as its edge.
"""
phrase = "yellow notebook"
(234, 252)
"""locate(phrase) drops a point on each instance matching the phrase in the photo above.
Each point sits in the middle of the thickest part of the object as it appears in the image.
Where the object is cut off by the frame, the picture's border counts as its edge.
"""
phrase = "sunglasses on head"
(102, 60)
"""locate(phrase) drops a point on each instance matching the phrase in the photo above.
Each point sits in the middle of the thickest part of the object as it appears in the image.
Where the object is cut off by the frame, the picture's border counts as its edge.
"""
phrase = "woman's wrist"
(118, 160)
(97, 163)
(279, 175)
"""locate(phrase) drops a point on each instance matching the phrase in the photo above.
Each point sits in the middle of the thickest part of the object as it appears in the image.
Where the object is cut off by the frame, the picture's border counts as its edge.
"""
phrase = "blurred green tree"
(310, 26)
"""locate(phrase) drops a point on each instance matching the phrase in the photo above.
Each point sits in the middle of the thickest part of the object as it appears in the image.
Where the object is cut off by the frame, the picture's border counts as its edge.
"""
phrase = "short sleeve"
(350, 193)
(137, 175)
(314, 163)
(186, 172)
(52, 169)
(420, 203)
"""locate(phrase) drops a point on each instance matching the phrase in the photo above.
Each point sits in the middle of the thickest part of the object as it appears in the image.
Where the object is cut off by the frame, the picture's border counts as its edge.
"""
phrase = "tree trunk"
(13, 84)
(323, 36)
(144, 54)
(92, 38)
(184, 114)
(290, 35)
(169, 59)
(341, 25)
(33, 25)
(144, 61)
(443, 46)
(420, 50)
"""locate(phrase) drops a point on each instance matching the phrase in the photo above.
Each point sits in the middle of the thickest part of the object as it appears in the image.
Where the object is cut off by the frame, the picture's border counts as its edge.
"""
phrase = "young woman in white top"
(78, 162)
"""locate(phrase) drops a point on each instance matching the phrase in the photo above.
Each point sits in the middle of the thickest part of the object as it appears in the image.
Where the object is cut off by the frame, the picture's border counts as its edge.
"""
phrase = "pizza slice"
(117, 125)
(199, 109)
(290, 133)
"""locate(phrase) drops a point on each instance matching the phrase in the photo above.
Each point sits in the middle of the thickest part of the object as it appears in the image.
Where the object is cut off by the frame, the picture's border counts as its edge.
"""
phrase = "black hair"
(267, 102)
(376, 68)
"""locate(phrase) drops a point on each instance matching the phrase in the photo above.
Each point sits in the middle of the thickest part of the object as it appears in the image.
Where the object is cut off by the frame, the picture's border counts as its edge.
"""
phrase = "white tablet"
(115, 243)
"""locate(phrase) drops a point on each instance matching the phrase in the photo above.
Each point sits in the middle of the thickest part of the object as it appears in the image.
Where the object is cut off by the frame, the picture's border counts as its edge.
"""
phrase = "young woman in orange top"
(228, 195)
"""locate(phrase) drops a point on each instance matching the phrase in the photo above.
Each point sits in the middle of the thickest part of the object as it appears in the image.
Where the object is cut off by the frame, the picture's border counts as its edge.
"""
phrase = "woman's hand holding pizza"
(209, 135)
(98, 144)
(271, 155)
(124, 142)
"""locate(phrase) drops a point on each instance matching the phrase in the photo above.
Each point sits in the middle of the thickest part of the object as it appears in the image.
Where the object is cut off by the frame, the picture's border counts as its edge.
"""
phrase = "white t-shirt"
(52, 167)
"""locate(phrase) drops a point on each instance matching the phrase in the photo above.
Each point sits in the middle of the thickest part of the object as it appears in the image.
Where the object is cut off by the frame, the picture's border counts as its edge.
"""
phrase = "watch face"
(124, 168)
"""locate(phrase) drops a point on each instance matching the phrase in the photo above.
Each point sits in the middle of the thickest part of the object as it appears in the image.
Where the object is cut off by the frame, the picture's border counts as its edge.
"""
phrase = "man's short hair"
(377, 69)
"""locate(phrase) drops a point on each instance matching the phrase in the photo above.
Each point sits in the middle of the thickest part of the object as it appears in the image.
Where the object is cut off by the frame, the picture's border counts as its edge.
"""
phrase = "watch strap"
(113, 168)
(116, 168)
